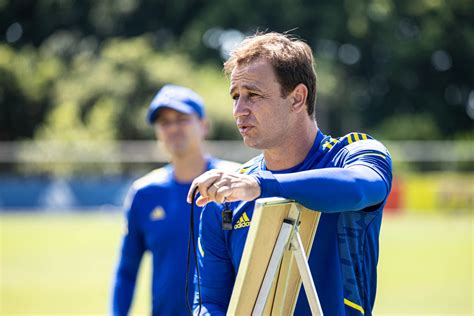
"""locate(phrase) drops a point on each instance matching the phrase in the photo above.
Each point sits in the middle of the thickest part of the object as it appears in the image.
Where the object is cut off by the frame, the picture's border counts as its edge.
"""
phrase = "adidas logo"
(244, 221)
(157, 214)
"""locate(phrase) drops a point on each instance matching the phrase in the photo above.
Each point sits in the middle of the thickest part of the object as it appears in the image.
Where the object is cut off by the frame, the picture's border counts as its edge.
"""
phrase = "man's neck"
(189, 166)
(294, 150)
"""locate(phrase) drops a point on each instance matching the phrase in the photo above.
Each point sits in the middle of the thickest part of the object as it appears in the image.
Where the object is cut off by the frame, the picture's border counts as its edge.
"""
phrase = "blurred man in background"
(156, 210)
(348, 179)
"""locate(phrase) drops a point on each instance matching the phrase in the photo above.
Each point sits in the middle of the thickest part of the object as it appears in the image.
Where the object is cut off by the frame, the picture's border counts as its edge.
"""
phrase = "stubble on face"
(260, 112)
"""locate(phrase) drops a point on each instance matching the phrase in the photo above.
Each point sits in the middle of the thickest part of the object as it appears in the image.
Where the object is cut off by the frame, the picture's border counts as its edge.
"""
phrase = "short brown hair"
(291, 58)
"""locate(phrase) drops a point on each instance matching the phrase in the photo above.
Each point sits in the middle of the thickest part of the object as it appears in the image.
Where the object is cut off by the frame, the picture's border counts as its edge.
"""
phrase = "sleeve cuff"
(269, 185)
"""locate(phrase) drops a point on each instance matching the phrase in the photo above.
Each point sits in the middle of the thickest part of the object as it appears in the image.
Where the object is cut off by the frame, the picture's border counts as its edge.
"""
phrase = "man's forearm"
(327, 190)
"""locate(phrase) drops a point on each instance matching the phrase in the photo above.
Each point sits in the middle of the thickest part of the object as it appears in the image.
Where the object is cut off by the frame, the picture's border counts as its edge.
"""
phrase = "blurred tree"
(94, 134)
(379, 61)
(409, 127)
(127, 73)
(26, 79)
(390, 59)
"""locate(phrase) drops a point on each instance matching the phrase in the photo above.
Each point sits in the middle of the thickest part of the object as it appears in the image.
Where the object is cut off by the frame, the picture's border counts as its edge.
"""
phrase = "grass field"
(63, 264)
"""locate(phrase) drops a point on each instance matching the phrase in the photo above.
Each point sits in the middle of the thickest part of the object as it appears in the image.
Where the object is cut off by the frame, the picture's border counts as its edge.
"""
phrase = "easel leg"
(303, 267)
(305, 272)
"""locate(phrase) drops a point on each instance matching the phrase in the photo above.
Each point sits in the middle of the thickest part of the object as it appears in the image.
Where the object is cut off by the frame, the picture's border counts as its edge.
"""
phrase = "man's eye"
(251, 94)
(234, 97)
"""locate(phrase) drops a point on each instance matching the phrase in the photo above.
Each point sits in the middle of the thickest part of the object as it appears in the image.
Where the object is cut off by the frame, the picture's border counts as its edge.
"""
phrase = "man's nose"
(240, 108)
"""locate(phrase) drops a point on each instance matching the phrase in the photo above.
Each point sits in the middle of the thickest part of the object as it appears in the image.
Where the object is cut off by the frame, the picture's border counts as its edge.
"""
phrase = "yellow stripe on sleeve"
(364, 136)
(200, 247)
(349, 138)
(356, 137)
(354, 305)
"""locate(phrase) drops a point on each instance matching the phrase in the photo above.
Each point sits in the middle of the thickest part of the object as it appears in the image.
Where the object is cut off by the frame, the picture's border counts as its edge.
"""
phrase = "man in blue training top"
(348, 179)
(156, 210)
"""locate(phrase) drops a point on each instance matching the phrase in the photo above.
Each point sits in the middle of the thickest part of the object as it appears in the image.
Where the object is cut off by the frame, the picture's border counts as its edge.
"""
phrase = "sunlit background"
(76, 78)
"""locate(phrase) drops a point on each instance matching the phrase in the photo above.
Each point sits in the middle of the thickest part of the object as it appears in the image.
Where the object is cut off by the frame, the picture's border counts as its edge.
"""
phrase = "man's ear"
(299, 96)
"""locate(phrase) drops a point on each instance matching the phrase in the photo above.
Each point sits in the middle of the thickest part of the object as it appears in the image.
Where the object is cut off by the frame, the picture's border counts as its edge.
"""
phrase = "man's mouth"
(244, 129)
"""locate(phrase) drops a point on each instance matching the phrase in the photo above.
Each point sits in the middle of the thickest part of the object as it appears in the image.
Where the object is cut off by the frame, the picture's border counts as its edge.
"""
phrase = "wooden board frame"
(266, 223)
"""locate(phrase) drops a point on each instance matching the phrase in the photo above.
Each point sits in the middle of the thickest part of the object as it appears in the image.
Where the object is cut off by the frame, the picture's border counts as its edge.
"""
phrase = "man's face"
(179, 132)
(259, 110)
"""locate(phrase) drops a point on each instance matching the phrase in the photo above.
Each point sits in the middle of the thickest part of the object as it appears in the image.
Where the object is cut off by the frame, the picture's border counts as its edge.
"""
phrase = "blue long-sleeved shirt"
(348, 179)
(158, 221)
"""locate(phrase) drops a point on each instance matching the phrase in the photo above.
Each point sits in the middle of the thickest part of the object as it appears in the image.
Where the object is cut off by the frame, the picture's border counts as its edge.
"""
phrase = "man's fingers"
(211, 191)
(223, 194)
(203, 183)
(189, 198)
(219, 186)
(201, 201)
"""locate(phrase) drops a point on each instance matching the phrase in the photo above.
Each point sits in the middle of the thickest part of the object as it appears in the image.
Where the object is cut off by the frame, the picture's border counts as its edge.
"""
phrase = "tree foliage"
(105, 95)
(398, 69)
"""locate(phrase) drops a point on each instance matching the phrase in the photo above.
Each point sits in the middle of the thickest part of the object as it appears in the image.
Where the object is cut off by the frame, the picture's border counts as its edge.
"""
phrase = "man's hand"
(221, 186)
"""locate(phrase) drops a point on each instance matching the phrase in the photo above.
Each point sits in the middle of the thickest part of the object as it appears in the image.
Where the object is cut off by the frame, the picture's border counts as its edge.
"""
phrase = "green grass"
(64, 263)
(425, 265)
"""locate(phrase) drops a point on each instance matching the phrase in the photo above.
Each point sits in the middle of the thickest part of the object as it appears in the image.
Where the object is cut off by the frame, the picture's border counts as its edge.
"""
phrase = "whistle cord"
(188, 261)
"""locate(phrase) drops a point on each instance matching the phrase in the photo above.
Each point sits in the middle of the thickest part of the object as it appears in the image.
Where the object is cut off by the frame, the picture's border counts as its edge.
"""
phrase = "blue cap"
(178, 98)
